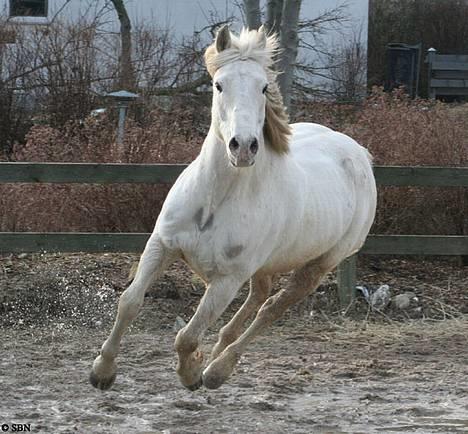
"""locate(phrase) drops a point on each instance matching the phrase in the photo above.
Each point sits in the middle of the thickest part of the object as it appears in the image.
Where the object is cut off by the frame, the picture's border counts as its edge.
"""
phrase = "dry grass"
(397, 332)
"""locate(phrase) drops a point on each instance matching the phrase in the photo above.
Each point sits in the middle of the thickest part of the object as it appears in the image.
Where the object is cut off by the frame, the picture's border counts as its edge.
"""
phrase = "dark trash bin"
(403, 64)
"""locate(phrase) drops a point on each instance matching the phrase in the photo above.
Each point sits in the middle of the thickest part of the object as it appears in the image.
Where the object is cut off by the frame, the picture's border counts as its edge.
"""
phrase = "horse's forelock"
(252, 45)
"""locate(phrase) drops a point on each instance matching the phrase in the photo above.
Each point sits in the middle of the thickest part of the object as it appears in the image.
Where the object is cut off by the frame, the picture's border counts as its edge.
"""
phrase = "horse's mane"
(251, 45)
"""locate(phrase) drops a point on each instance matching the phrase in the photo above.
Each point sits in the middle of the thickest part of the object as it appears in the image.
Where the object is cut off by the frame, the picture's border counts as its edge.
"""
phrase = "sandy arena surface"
(315, 371)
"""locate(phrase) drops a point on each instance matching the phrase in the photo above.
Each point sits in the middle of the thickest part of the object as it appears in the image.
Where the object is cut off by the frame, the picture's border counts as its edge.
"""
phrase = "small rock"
(22, 255)
(179, 324)
(189, 405)
(364, 291)
(263, 405)
(403, 301)
(380, 298)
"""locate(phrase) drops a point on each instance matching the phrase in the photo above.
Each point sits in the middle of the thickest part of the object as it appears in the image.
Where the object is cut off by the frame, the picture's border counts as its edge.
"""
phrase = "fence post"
(431, 53)
(346, 279)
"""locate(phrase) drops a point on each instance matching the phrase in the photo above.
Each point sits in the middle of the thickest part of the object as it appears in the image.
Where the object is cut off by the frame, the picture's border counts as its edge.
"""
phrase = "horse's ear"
(223, 38)
(262, 37)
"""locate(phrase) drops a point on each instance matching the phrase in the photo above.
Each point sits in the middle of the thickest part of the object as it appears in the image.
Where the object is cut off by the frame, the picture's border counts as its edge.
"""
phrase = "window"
(28, 8)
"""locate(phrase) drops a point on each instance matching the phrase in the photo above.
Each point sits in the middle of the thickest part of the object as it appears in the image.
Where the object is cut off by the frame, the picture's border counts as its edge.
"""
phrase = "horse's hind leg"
(302, 283)
(260, 287)
(154, 260)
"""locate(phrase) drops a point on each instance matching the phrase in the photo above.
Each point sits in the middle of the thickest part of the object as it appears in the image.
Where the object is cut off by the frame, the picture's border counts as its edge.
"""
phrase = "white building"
(184, 17)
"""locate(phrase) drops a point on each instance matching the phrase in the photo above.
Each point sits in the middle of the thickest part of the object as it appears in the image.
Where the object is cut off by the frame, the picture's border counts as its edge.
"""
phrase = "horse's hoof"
(196, 385)
(101, 383)
(213, 381)
(218, 371)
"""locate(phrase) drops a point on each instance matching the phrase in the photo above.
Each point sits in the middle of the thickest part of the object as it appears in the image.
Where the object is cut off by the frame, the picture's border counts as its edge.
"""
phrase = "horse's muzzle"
(242, 152)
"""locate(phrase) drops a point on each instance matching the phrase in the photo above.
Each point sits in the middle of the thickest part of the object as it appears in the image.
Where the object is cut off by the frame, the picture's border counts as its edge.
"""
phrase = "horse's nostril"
(254, 146)
(233, 144)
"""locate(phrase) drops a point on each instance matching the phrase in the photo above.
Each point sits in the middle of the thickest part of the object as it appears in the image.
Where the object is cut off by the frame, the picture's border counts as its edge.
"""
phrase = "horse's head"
(244, 88)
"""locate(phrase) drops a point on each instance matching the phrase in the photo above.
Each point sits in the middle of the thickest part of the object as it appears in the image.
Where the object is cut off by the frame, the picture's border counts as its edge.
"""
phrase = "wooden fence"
(16, 242)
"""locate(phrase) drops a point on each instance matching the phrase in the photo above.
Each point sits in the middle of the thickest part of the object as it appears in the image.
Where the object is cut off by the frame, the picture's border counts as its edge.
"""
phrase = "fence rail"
(91, 173)
(94, 242)
(16, 242)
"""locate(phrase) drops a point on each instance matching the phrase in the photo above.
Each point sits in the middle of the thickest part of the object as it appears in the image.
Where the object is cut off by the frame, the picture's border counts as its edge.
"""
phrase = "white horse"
(263, 197)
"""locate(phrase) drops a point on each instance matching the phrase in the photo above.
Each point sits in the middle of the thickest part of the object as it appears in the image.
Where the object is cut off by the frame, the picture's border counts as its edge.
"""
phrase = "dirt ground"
(321, 369)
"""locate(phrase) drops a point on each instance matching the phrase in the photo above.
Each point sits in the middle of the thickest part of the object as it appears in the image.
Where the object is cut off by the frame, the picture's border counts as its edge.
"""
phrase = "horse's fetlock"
(268, 304)
(185, 343)
(107, 355)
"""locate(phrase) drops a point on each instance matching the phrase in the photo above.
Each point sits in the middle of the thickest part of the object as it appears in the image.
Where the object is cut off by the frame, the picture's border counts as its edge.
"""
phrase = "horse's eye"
(265, 88)
(218, 87)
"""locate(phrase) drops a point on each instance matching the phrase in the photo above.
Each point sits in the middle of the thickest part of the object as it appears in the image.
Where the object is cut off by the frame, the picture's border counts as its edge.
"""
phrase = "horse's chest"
(211, 242)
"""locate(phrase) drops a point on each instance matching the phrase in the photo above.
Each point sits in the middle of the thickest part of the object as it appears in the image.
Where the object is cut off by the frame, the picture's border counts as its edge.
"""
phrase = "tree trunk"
(126, 76)
(289, 43)
(252, 14)
(273, 15)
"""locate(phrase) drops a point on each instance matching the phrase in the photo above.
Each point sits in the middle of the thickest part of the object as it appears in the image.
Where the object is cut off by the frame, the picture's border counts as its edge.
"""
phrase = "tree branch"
(184, 88)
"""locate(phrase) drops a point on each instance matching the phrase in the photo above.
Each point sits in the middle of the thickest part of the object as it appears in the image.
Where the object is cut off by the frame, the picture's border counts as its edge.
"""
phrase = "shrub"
(400, 131)
(169, 137)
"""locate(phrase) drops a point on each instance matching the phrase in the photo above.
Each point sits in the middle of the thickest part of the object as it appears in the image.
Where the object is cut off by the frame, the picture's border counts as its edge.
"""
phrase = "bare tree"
(252, 13)
(56, 74)
(289, 43)
(282, 17)
(347, 68)
(127, 76)
(298, 76)
(273, 15)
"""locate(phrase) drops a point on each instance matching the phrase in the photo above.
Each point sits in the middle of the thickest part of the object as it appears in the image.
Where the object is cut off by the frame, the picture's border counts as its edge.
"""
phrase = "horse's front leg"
(218, 295)
(154, 260)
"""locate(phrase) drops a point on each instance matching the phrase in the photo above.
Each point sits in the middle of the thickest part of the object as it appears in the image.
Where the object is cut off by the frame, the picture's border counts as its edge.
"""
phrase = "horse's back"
(339, 170)
(313, 141)
(323, 153)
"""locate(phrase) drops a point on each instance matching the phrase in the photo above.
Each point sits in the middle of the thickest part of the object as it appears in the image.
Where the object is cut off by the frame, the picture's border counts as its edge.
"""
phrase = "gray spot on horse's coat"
(198, 217)
(198, 220)
(232, 252)
(347, 164)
